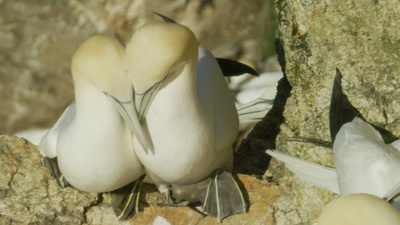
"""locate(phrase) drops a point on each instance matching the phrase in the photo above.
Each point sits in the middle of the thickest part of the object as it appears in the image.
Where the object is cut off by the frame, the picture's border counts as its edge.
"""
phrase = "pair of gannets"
(364, 163)
(170, 92)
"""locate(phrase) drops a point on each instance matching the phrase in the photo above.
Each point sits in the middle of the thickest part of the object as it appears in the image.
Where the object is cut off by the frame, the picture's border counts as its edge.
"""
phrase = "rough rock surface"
(316, 37)
(28, 194)
(38, 39)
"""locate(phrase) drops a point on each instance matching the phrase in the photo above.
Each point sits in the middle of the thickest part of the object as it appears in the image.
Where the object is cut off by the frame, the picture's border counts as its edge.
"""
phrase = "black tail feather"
(341, 110)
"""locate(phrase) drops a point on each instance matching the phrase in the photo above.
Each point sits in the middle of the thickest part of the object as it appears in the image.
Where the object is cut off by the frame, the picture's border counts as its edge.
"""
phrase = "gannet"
(189, 117)
(364, 162)
(91, 141)
(249, 88)
(255, 110)
(359, 209)
(256, 104)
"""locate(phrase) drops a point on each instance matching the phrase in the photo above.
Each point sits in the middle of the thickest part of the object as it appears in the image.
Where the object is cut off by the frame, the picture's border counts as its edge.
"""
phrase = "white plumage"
(364, 163)
(91, 141)
(191, 120)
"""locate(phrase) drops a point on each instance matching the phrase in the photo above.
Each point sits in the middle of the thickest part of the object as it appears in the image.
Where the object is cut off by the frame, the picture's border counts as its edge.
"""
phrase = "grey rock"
(362, 41)
(37, 40)
(28, 193)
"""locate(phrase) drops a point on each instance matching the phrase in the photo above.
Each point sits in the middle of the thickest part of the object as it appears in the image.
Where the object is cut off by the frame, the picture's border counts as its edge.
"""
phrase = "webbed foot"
(169, 200)
(223, 196)
(52, 165)
(125, 201)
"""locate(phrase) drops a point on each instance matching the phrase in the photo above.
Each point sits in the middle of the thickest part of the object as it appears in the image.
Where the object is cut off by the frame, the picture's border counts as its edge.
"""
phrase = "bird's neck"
(184, 85)
(90, 101)
(178, 98)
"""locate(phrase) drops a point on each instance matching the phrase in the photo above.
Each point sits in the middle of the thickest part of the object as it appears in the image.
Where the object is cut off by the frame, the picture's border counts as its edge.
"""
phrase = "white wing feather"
(364, 163)
(48, 144)
(310, 172)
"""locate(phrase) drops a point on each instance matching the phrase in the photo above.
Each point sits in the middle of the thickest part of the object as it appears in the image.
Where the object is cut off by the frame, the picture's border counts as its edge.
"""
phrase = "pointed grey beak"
(134, 112)
(144, 100)
(128, 111)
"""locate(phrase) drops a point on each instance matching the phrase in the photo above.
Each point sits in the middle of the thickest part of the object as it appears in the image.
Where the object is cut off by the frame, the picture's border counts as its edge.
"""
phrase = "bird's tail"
(341, 111)
(310, 172)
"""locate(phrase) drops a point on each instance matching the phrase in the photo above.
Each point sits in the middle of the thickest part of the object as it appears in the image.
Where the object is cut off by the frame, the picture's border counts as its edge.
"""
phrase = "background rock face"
(38, 39)
(362, 41)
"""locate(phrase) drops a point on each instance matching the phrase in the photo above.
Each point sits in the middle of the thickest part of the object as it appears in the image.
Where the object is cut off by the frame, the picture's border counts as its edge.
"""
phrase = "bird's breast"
(182, 138)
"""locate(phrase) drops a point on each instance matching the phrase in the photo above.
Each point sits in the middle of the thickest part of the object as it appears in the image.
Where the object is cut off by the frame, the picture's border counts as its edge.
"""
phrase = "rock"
(315, 38)
(39, 40)
(261, 194)
(28, 193)
(244, 24)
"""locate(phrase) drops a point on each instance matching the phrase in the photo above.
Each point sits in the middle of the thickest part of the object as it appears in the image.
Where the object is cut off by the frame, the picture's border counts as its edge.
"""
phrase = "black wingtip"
(165, 18)
(232, 68)
(341, 110)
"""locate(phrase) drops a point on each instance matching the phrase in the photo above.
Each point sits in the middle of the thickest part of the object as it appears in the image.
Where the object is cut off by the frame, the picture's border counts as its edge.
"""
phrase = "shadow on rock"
(251, 157)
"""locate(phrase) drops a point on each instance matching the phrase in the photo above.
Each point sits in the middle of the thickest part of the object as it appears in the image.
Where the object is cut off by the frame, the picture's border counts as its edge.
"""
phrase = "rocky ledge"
(29, 194)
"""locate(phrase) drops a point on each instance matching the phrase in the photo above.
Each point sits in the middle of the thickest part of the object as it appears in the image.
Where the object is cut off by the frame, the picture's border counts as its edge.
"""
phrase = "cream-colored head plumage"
(359, 209)
(158, 49)
(101, 59)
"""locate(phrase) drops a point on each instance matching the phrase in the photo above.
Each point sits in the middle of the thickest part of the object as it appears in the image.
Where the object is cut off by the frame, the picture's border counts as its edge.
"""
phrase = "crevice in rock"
(251, 158)
(96, 202)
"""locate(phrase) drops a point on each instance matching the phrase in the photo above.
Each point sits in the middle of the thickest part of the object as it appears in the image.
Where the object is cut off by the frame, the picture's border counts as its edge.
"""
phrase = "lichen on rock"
(318, 37)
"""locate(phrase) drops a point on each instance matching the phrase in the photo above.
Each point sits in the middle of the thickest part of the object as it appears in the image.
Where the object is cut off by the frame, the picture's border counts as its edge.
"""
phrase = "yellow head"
(101, 60)
(159, 49)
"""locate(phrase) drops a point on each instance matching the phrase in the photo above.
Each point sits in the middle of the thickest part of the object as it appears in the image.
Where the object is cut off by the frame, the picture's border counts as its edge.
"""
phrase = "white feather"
(310, 172)
(364, 163)
(32, 135)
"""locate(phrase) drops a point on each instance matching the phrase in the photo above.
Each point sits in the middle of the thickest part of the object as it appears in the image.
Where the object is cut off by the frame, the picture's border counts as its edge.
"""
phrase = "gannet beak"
(128, 111)
(134, 112)
(144, 100)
